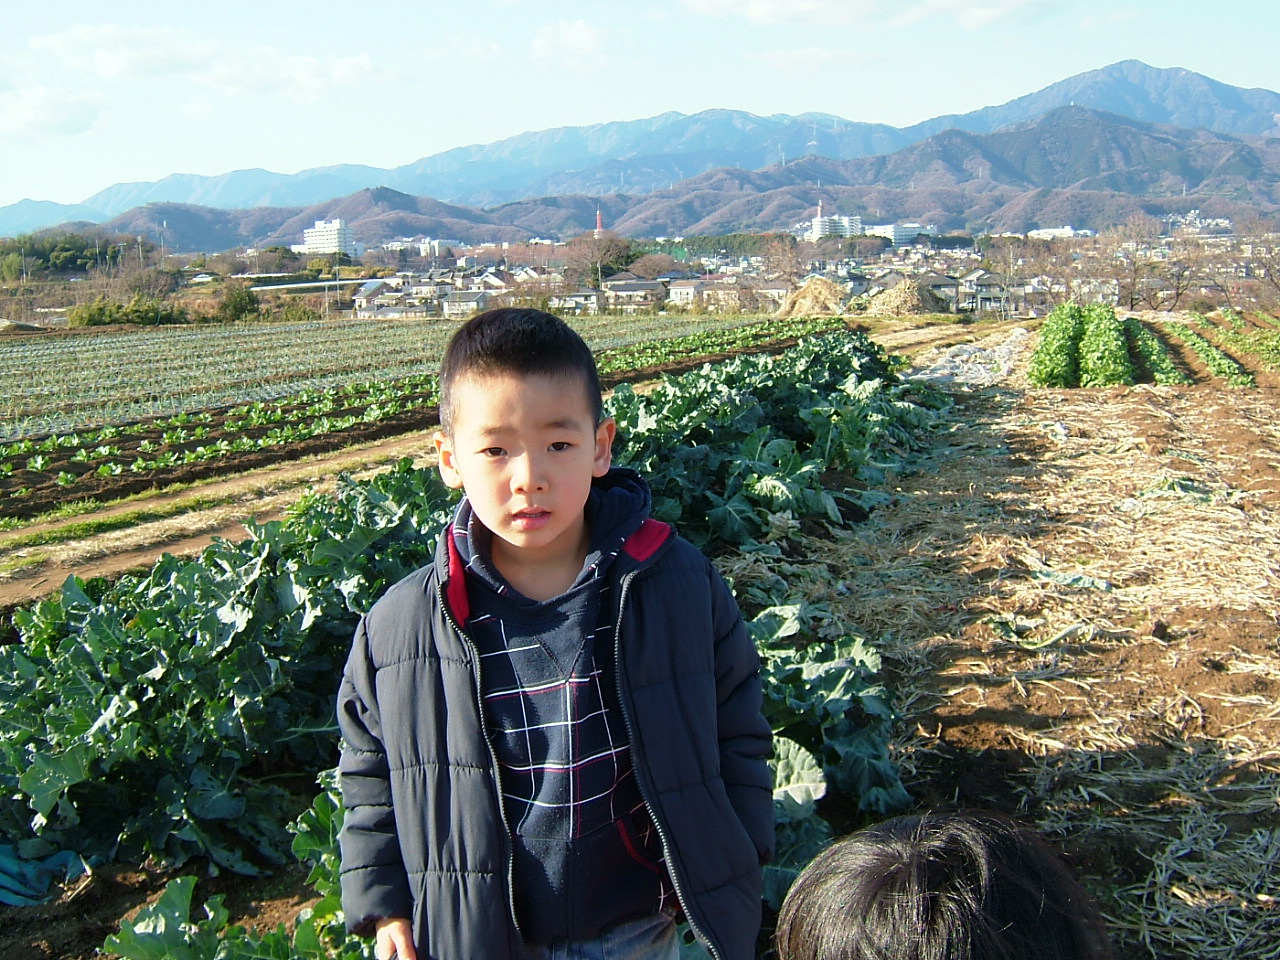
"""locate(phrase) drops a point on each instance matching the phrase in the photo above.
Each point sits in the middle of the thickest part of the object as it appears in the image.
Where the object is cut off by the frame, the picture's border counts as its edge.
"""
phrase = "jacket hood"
(617, 513)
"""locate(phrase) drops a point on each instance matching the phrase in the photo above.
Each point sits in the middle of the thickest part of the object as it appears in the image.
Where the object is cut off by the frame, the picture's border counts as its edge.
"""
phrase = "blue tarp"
(24, 881)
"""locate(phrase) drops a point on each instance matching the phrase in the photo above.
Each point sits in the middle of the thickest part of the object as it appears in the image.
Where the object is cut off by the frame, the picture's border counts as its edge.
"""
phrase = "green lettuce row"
(1155, 355)
(1055, 362)
(1104, 353)
(1219, 364)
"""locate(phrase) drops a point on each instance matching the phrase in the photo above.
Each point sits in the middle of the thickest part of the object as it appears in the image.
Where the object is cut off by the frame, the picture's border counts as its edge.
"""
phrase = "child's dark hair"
(521, 341)
(940, 887)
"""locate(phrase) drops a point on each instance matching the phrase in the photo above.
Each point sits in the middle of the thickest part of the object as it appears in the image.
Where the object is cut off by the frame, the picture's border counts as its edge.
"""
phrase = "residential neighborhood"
(1009, 275)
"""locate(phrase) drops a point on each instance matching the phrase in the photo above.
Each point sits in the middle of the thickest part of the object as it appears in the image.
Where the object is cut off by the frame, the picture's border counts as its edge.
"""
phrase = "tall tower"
(599, 224)
(818, 227)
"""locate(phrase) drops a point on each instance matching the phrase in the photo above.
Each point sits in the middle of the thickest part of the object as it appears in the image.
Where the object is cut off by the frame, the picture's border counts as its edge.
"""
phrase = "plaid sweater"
(585, 853)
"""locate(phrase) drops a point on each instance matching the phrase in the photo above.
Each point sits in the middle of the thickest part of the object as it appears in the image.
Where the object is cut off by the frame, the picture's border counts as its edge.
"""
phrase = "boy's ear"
(604, 447)
(448, 466)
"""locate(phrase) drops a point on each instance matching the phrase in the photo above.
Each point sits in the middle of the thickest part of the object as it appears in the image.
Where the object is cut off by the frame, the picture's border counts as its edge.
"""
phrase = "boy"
(934, 886)
(553, 743)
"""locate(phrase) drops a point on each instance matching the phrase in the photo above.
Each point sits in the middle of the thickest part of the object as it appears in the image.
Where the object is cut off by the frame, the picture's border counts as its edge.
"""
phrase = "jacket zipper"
(493, 758)
(642, 775)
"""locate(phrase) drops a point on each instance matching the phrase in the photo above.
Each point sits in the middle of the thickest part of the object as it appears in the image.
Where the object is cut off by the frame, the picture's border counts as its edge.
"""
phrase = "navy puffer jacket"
(424, 835)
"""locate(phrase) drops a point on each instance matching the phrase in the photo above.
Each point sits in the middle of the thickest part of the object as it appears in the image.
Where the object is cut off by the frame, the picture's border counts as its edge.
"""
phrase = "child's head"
(939, 887)
(516, 341)
(523, 433)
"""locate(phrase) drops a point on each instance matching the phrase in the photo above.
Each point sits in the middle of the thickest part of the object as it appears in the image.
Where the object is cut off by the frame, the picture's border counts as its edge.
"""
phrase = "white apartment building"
(901, 233)
(327, 236)
(1055, 233)
(839, 226)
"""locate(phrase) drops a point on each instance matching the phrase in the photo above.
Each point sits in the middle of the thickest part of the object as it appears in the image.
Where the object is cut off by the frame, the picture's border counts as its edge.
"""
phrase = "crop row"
(1219, 363)
(1055, 362)
(1104, 353)
(1245, 340)
(1081, 346)
(1153, 353)
(57, 385)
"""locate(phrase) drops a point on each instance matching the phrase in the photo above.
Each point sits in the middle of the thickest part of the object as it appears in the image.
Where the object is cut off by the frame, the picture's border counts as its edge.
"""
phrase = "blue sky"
(95, 93)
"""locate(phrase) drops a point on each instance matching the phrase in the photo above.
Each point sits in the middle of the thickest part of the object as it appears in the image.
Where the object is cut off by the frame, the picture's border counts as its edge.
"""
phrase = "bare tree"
(1125, 257)
(1174, 276)
(1250, 271)
(590, 257)
(653, 265)
(782, 258)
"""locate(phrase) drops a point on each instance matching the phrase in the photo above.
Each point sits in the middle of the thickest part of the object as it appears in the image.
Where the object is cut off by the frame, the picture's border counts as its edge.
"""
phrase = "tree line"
(35, 256)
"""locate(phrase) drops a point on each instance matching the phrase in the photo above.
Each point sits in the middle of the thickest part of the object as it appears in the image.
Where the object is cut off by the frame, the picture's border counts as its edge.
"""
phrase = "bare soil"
(1076, 593)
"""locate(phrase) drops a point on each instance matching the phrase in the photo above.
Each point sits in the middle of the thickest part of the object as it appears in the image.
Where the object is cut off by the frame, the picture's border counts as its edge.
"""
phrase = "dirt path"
(188, 523)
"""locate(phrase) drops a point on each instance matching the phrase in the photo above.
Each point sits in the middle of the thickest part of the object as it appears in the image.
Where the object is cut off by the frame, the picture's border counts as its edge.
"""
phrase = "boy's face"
(524, 448)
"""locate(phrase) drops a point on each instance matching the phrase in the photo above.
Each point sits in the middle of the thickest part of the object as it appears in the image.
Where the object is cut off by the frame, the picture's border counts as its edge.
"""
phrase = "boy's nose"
(529, 475)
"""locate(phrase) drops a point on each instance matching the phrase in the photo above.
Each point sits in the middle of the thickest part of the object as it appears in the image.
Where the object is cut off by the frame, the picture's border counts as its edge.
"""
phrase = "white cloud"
(871, 13)
(114, 52)
(34, 113)
(130, 58)
(575, 44)
(831, 12)
(302, 79)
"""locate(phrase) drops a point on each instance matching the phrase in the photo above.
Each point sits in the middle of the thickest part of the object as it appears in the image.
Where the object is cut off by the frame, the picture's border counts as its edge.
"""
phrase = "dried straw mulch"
(1083, 585)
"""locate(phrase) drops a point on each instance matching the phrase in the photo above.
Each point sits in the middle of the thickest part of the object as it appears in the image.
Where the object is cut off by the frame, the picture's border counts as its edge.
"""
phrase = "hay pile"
(904, 300)
(13, 326)
(818, 297)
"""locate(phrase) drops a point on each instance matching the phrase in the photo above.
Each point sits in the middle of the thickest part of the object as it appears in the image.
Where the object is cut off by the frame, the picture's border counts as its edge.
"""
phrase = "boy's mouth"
(530, 517)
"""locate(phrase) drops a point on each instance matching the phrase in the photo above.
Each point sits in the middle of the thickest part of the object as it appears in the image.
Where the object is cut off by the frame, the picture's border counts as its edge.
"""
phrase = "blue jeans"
(652, 938)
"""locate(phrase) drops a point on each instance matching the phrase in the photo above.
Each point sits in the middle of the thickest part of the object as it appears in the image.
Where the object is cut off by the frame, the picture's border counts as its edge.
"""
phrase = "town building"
(900, 234)
(832, 226)
(461, 304)
(328, 236)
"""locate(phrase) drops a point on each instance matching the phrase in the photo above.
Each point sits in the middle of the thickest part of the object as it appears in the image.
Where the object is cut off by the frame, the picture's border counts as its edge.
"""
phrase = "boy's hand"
(394, 939)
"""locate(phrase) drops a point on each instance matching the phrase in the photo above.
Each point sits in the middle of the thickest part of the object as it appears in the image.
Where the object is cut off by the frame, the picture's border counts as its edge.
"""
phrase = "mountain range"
(1090, 150)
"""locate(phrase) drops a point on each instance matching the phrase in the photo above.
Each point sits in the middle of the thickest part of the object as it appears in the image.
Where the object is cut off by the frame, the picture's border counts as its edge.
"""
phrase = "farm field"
(176, 405)
(1075, 595)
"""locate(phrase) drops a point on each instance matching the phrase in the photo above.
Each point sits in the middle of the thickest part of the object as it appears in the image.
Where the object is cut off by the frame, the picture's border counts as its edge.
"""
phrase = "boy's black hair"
(516, 340)
(940, 887)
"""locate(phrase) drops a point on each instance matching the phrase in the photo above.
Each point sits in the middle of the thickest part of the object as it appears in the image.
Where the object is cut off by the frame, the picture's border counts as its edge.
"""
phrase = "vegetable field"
(1060, 603)
(1091, 347)
(175, 405)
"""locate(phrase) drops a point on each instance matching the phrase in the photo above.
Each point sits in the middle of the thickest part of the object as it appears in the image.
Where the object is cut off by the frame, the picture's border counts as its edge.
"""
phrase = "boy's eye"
(561, 445)
(492, 452)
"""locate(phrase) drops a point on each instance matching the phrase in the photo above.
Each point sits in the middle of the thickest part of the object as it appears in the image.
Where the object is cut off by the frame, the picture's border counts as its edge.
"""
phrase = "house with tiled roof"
(460, 304)
(583, 300)
(634, 296)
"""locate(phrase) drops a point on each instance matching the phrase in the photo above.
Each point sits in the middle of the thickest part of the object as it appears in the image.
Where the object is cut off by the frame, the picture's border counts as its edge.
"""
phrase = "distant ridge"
(1073, 166)
(645, 165)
